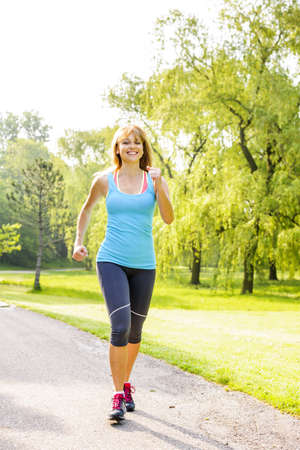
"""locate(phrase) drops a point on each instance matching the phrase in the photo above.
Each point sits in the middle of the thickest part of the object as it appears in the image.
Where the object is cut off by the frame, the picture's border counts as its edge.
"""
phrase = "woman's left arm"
(162, 195)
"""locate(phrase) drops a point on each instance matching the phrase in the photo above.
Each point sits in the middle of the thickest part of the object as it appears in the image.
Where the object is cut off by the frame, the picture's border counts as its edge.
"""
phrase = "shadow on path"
(133, 426)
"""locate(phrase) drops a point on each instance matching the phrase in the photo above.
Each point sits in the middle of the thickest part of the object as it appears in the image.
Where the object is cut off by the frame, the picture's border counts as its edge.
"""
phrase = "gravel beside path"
(55, 392)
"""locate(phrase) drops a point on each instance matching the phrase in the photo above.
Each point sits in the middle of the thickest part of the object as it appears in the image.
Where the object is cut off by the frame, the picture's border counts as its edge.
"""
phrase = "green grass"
(10, 267)
(247, 343)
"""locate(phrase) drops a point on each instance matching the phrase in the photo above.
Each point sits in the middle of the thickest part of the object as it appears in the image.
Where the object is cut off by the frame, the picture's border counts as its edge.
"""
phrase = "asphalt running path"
(42, 271)
(55, 391)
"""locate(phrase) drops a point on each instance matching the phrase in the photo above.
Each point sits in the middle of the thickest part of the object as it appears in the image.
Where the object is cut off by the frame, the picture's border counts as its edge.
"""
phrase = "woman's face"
(130, 148)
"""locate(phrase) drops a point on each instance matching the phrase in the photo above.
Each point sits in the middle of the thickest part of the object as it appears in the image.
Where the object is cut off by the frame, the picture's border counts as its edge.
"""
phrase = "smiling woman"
(131, 141)
(126, 259)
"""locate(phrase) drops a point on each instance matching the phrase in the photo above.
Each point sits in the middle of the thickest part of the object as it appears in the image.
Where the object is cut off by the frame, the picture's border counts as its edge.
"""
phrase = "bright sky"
(58, 56)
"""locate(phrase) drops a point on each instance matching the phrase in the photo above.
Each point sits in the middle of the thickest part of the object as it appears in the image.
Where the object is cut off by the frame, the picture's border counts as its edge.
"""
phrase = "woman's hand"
(79, 253)
(155, 174)
(162, 195)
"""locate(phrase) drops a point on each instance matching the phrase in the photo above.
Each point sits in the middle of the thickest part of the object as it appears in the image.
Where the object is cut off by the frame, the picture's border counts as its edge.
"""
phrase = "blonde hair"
(124, 132)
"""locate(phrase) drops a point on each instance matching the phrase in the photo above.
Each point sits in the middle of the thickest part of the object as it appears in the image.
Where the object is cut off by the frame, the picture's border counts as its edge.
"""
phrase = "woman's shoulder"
(100, 181)
(103, 175)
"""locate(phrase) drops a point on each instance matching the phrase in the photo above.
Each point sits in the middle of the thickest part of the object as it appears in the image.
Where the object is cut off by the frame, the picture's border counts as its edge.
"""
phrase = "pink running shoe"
(128, 390)
(118, 408)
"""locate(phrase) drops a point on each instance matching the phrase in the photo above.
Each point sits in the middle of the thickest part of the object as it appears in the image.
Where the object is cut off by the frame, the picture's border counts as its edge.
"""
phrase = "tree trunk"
(248, 274)
(37, 286)
(196, 267)
(273, 270)
(249, 256)
(88, 263)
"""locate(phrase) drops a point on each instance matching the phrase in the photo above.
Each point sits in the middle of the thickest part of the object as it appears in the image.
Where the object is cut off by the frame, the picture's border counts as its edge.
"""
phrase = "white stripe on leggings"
(121, 307)
(142, 315)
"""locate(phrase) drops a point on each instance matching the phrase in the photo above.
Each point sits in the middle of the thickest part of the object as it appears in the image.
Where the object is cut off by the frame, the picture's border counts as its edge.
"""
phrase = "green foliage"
(84, 147)
(22, 140)
(9, 128)
(229, 113)
(41, 195)
(18, 154)
(34, 128)
(29, 124)
(41, 192)
(9, 238)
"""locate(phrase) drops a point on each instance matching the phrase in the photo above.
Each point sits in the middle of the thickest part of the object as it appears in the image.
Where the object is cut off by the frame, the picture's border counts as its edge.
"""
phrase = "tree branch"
(245, 150)
(195, 153)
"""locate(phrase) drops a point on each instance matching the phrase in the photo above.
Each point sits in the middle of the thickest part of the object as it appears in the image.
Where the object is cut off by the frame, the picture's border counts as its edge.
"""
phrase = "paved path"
(55, 391)
(42, 271)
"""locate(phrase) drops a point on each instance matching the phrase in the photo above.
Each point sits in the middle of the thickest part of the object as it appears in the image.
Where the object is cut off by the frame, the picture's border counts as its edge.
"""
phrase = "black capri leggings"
(127, 293)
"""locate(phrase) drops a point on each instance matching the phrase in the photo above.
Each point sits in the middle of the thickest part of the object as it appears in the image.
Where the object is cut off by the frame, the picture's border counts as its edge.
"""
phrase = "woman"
(126, 259)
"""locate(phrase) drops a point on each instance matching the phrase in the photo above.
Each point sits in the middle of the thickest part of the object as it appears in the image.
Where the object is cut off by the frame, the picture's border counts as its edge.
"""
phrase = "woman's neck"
(130, 169)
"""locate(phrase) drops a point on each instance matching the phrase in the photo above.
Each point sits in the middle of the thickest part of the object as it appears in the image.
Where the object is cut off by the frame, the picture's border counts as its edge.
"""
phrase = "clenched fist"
(79, 253)
(155, 174)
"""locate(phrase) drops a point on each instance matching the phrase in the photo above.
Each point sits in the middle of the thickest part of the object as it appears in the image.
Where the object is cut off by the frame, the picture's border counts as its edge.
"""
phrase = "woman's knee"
(137, 323)
(135, 337)
(120, 336)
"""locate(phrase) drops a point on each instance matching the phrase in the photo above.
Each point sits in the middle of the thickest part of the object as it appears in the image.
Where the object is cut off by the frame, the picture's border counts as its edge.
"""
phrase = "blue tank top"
(128, 240)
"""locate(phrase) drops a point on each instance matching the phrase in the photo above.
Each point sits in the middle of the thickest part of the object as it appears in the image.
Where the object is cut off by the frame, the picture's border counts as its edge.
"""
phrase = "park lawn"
(247, 343)
(170, 293)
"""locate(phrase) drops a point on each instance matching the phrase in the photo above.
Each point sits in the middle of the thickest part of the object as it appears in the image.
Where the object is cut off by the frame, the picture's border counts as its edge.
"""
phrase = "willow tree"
(193, 235)
(246, 93)
(177, 140)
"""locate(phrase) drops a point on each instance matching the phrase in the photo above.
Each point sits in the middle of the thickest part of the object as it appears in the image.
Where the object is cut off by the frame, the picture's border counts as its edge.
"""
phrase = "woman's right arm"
(98, 189)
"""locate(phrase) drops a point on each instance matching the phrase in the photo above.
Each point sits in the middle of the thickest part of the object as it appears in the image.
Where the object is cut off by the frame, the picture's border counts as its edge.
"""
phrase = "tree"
(83, 147)
(34, 128)
(18, 155)
(29, 125)
(21, 142)
(230, 96)
(9, 128)
(41, 196)
(240, 85)
(150, 102)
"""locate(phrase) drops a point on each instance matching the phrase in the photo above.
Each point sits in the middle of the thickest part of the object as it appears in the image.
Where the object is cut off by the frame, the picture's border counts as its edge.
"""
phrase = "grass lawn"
(248, 343)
